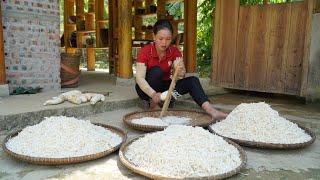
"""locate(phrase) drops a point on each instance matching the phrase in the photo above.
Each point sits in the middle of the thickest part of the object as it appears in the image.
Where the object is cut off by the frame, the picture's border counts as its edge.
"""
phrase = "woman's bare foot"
(215, 114)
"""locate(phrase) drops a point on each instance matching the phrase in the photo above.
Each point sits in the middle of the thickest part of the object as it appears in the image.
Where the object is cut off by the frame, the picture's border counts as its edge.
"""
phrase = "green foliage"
(175, 9)
(204, 36)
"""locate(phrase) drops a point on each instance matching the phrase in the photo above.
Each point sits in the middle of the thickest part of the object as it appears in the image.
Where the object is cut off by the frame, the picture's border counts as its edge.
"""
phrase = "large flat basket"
(140, 171)
(264, 145)
(197, 119)
(68, 160)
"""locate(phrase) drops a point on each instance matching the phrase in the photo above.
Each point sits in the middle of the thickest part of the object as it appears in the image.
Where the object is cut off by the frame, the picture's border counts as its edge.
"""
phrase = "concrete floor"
(262, 164)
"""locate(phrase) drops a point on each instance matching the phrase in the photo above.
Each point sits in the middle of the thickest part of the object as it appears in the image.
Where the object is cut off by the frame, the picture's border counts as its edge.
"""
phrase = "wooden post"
(91, 7)
(91, 59)
(137, 21)
(79, 7)
(90, 21)
(265, 1)
(99, 9)
(125, 40)
(190, 43)
(161, 10)
(68, 11)
(307, 43)
(2, 60)
(113, 40)
(79, 13)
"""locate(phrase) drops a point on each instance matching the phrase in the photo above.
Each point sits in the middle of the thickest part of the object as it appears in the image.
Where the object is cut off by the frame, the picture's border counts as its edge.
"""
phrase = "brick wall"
(32, 43)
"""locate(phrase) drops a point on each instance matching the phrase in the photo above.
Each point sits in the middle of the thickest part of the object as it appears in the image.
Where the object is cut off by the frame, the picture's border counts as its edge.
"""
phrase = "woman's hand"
(180, 67)
(155, 99)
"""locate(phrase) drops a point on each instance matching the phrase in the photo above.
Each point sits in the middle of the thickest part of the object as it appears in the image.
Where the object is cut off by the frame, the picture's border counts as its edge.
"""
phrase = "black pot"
(73, 39)
(140, 11)
(153, 8)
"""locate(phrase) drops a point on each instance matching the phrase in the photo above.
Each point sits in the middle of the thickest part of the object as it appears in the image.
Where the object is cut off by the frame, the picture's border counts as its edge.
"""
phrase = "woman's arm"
(141, 81)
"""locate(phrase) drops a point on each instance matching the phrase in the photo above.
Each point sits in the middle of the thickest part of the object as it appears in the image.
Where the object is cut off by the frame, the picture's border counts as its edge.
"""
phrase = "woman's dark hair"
(162, 24)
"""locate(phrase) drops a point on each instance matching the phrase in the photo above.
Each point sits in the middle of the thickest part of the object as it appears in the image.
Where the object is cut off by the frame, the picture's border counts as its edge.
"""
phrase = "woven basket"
(64, 161)
(197, 119)
(138, 170)
(70, 73)
(264, 145)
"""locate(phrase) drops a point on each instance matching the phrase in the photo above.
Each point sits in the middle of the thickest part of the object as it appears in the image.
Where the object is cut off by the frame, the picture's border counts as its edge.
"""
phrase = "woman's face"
(162, 39)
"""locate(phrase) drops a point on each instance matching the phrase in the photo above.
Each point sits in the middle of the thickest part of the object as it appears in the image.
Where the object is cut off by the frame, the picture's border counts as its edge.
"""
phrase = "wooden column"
(99, 6)
(68, 28)
(125, 44)
(91, 59)
(79, 7)
(2, 60)
(137, 21)
(161, 10)
(99, 9)
(190, 34)
(91, 7)
(113, 18)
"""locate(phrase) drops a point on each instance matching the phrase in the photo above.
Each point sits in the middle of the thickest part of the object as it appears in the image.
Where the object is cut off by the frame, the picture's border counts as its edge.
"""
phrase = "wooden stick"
(168, 97)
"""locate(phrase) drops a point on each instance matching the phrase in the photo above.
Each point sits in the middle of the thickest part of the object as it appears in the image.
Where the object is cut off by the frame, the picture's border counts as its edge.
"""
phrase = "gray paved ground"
(262, 164)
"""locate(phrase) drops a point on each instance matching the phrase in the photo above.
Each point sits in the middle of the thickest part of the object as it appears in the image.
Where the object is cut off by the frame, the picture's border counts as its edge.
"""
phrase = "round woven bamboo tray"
(264, 145)
(140, 171)
(197, 119)
(69, 160)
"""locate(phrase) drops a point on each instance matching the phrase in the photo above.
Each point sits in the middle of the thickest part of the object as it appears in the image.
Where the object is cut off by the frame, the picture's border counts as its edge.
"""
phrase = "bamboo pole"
(125, 40)
(2, 60)
(190, 35)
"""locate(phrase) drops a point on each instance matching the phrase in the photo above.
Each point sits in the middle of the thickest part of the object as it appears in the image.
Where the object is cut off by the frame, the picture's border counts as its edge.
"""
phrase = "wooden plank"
(296, 47)
(243, 40)
(2, 60)
(216, 38)
(278, 25)
(258, 49)
(227, 45)
(306, 50)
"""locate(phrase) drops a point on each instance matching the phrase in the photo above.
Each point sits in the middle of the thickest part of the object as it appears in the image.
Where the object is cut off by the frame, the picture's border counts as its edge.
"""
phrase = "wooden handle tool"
(168, 97)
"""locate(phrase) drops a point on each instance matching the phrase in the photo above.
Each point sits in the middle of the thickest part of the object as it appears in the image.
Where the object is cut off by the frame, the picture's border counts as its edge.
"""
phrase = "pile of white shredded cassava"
(165, 121)
(260, 123)
(60, 137)
(183, 152)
